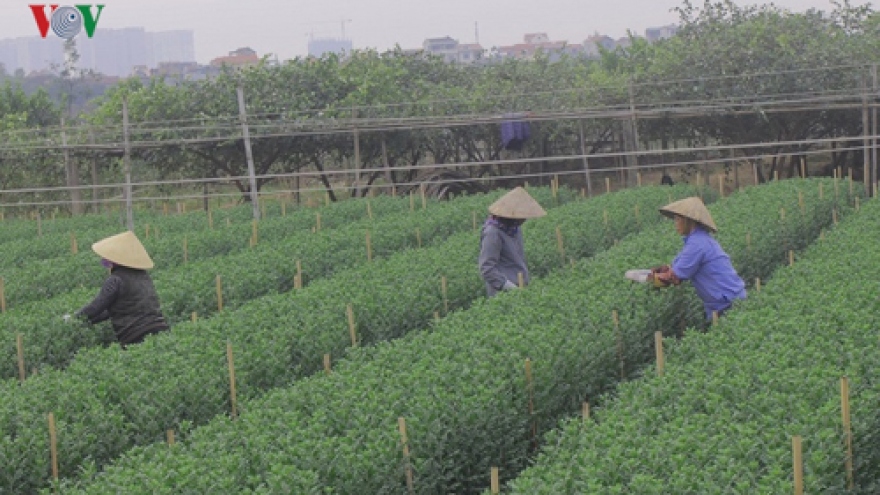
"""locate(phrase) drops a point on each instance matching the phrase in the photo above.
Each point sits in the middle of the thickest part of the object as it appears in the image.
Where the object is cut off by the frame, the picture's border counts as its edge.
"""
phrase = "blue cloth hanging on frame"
(514, 131)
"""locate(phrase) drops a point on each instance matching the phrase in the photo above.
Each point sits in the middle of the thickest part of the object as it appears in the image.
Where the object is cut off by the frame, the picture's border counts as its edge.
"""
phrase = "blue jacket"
(708, 267)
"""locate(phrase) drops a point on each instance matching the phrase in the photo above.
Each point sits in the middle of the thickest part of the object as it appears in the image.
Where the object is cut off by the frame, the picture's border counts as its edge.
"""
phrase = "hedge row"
(462, 388)
(722, 418)
(268, 268)
(31, 279)
(181, 376)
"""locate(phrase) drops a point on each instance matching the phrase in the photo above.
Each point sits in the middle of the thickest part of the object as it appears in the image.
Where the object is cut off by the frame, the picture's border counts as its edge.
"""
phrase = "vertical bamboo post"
(801, 202)
(317, 221)
(445, 298)
(412, 204)
(521, 281)
(194, 317)
(607, 185)
(560, 245)
(714, 318)
(639, 179)
(424, 198)
(857, 203)
(804, 168)
(299, 277)
(782, 214)
(327, 368)
(19, 349)
(219, 294)
(185, 251)
(165, 209)
(352, 330)
(585, 411)
(847, 430)
(658, 347)
(210, 220)
(283, 208)
(369, 210)
(169, 435)
(776, 175)
(232, 394)
(615, 318)
(74, 248)
(404, 443)
(254, 231)
(790, 257)
(327, 199)
(2, 296)
(494, 485)
(39, 225)
(418, 238)
(369, 247)
(721, 186)
(850, 182)
(798, 464)
(53, 446)
(755, 171)
(758, 284)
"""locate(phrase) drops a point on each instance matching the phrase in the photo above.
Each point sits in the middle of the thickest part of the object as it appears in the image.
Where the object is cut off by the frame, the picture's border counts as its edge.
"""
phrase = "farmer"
(701, 260)
(127, 297)
(502, 257)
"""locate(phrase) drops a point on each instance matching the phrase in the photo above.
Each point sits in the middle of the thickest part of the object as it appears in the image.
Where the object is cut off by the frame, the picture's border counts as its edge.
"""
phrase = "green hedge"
(722, 418)
(462, 386)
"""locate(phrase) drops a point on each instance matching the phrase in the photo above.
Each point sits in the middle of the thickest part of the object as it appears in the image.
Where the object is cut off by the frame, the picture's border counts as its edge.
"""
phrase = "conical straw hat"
(692, 208)
(124, 249)
(517, 204)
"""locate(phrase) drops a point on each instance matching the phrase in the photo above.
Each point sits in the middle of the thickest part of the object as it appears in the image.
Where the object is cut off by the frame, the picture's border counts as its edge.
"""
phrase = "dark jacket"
(129, 300)
(502, 258)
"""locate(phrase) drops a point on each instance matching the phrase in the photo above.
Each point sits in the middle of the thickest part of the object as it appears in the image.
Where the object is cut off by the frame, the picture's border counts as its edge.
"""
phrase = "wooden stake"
(299, 275)
(801, 202)
(615, 318)
(850, 182)
(210, 220)
(424, 198)
(798, 465)
(559, 245)
(782, 214)
(803, 168)
(639, 179)
(19, 348)
(520, 280)
(327, 369)
(170, 436)
(412, 205)
(283, 208)
(2, 297)
(185, 251)
(194, 317)
(443, 290)
(369, 248)
(847, 430)
(658, 346)
(638, 221)
(607, 184)
(53, 446)
(714, 318)
(327, 199)
(165, 209)
(475, 220)
(228, 222)
(369, 210)
(776, 175)
(755, 172)
(352, 330)
(418, 238)
(74, 248)
(585, 411)
(721, 185)
(404, 443)
(494, 485)
(758, 284)
(254, 232)
(317, 222)
(790, 257)
(219, 294)
(232, 394)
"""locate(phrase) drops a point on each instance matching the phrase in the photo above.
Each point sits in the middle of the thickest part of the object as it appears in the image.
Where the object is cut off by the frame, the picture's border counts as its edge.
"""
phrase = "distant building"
(451, 50)
(243, 57)
(319, 46)
(535, 43)
(594, 44)
(653, 34)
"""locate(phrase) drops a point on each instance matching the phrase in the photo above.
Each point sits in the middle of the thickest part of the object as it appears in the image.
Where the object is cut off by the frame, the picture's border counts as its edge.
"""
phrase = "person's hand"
(508, 285)
(660, 269)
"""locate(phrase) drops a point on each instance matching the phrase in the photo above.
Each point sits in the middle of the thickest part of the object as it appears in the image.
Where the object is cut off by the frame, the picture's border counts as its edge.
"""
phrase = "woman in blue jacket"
(701, 260)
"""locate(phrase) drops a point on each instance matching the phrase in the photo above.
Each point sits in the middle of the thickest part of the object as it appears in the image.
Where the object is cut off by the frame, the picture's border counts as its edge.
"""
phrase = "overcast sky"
(283, 27)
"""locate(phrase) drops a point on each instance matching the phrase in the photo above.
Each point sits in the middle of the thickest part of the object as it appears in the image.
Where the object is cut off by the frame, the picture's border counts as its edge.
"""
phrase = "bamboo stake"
(585, 411)
(254, 232)
(317, 222)
(801, 202)
(607, 185)
(299, 275)
(412, 205)
(638, 220)
(560, 245)
(232, 394)
(776, 175)
(790, 257)
(803, 169)
(2, 297)
(758, 284)
(404, 442)
(53, 446)
(443, 290)
(424, 199)
(850, 182)
(798, 465)
(327, 368)
(74, 247)
(185, 251)
(170, 436)
(584, 193)
(283, 208)
(520, 280)
(639, 179)
(369, 210)
(19, 348)
(721, 185)
(847, 430)
(327, 199)
(494, 484)
(210, 220)
(369, 247)
(755, 172)
(352, 330)
(782, 214)
(658, 346)
(219, 294)
(418, 238)
(194, 317)
(714, 318)
(616, 319)
(834, 215)
(165, 209)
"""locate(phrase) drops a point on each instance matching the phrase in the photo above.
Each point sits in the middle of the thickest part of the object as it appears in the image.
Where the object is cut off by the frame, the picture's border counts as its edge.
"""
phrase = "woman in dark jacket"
(502, 256)
(127, 298)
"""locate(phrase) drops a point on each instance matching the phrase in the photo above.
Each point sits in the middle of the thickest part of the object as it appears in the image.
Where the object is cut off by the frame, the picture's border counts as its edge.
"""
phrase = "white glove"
(66, 318)
(508, 285)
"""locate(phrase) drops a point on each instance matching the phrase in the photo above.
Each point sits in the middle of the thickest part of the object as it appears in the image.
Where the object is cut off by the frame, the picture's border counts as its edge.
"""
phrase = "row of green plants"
(479, 388)
(124, 399)
(268, 268)
(30, 279)
(722, 418)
